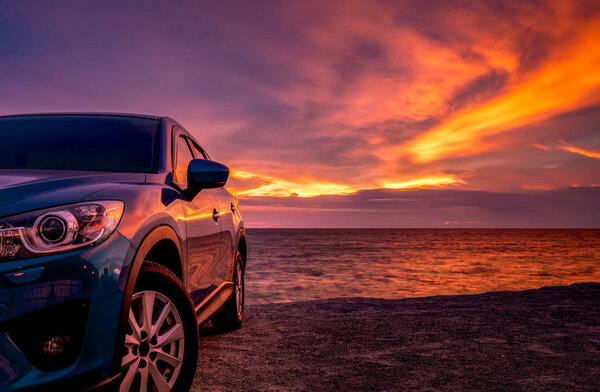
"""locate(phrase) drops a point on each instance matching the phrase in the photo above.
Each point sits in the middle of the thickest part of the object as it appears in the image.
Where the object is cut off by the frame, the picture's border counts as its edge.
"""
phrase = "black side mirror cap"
(206, 174)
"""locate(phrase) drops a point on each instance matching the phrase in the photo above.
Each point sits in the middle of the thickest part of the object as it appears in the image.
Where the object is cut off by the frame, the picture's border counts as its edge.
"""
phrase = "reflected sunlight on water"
(305, 264)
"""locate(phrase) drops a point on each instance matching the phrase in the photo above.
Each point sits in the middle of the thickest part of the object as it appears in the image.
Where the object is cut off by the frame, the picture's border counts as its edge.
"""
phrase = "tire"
(161, 354)
(231, 316)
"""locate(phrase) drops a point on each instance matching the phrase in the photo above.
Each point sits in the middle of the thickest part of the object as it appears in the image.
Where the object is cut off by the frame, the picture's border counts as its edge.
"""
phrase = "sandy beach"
(535, 340)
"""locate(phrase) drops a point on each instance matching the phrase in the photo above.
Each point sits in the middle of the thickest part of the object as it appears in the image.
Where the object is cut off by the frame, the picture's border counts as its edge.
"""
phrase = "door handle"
(216, 215)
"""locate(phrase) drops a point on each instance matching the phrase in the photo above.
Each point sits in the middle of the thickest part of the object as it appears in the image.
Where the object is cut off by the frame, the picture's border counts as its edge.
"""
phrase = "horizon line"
(423, 228)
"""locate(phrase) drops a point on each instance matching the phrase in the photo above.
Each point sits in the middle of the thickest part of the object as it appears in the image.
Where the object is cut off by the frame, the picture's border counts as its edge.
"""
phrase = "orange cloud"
(542, 147)
(426, 182)
(580, 151)
(278, 187)
(536, 187)
(566, 83)
(567, 147)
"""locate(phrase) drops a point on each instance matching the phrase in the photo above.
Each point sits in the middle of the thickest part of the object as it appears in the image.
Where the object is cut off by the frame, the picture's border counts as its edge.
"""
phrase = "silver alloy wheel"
(239, 291)
(154, 344)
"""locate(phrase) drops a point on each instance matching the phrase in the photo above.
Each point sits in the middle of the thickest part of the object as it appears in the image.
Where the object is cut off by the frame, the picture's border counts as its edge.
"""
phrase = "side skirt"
(215, 301)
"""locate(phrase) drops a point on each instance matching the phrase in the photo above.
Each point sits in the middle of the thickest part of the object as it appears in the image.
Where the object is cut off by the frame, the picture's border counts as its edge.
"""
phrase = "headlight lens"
(58, 229)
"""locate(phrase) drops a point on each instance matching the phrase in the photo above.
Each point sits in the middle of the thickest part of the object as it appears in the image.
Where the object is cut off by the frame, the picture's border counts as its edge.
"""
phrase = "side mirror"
(205, 174)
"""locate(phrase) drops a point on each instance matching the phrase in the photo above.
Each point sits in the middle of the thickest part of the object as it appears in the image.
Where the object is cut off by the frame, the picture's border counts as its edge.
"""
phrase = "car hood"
(27, 190)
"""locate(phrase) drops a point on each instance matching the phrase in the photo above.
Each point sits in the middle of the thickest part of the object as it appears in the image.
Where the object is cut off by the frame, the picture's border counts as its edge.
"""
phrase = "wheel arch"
(242, 245)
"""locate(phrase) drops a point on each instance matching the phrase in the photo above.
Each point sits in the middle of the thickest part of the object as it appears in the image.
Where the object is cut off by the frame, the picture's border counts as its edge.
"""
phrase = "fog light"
(54, 345)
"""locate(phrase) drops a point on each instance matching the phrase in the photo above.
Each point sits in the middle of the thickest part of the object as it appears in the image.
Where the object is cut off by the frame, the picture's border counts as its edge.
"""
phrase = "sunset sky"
(343, 113)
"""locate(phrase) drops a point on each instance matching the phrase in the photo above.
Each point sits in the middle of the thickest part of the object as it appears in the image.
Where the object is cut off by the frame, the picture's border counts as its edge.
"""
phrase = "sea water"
(305, 264)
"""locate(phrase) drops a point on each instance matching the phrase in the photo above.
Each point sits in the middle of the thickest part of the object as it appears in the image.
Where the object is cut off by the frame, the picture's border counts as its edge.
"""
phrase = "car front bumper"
(76, 295)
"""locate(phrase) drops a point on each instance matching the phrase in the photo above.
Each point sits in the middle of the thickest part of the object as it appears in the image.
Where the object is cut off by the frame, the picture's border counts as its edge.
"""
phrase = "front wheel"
(161, 341)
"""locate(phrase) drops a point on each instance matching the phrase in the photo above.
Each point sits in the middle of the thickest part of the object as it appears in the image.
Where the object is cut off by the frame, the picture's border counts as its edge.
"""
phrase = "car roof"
(148, 116)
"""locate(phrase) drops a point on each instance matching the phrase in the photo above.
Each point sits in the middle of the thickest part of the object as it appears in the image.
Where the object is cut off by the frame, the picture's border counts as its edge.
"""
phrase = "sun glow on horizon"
(277, 187)
(426, 182)
(271, 186)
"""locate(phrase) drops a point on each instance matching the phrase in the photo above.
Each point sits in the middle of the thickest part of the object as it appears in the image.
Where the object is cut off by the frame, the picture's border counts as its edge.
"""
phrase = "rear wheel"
(161, 341)
(231, 316)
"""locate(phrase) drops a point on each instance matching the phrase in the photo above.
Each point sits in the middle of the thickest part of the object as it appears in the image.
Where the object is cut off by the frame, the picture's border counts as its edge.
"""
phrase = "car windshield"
(78, 142)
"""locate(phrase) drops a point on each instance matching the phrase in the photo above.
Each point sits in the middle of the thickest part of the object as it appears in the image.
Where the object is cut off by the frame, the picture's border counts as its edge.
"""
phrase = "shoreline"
(541, 339)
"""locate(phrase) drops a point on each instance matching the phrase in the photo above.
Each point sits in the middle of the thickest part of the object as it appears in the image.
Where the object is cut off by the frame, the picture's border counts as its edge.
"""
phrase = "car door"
(202, 226)
(226, 211)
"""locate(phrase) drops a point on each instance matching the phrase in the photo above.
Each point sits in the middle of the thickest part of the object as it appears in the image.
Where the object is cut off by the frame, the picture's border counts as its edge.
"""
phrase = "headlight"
(58, 229)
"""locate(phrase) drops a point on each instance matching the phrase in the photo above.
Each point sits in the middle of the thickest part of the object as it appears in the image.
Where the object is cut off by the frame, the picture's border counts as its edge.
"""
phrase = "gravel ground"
(534, 340)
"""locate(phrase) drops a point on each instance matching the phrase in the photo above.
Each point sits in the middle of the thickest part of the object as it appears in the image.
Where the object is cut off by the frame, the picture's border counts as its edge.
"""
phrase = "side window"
(183, 156)
(199, 152)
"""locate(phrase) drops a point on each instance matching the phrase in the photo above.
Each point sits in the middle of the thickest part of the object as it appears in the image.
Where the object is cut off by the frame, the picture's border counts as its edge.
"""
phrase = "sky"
(343, 113)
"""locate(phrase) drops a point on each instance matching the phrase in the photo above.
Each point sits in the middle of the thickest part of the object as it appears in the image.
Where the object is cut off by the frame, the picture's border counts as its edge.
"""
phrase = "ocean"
(287, 265)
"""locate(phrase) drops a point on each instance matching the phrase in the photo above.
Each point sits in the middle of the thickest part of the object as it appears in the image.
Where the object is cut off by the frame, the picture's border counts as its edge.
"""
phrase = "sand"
(534, 340)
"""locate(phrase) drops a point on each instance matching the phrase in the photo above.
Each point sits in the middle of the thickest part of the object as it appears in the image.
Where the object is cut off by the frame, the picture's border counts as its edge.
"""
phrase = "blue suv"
(117, 239)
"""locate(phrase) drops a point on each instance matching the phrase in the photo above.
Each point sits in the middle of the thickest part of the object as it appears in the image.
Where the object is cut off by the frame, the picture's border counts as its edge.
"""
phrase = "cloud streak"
(580, 151)
(562, 145)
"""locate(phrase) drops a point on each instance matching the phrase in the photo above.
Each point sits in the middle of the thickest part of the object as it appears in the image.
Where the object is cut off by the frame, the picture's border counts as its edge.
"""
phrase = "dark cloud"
(479, 89)
(361, 57)
(565, 207)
